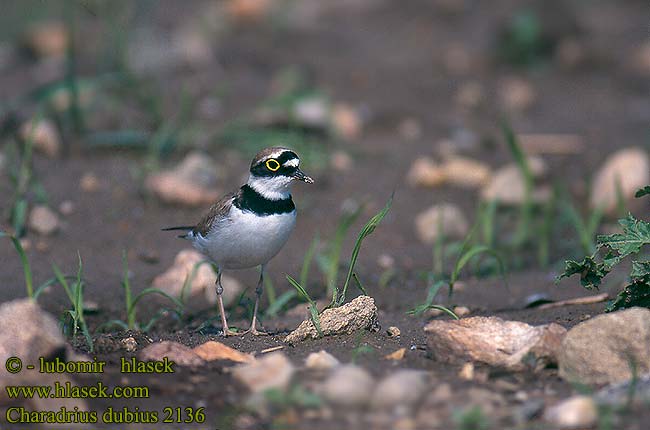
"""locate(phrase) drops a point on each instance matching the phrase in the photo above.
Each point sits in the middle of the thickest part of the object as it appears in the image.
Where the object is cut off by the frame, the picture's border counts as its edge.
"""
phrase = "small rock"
(410, 129)
(440, 395)
(43, 135)
(271, 371)
(43, 246)
(248, 10)
(511, 344)
(312, 111)
(211, 350)
(359, 314)
(393, 331)
(462, 311)
(173, 279)
(385, 261)
(425, 172)
(470, 95)
(577, 412)
(89, 183)
(349, 386)
(467, 372)
(396, 355)
(465, 172)
(190, 183)
(517, 94)
(607, 348)
(129, 344)
(445, 219)
(321, 360)
(624, 171)
(47, 39)
(341, 161)
(67, 207)
(507, 184)
(43, 220)
(180, 354)
(641, 59)
(346, 121)
(400, 390)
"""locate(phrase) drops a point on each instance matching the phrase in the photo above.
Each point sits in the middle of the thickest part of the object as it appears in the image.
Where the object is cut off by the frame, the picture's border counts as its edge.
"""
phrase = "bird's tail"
(185, 228)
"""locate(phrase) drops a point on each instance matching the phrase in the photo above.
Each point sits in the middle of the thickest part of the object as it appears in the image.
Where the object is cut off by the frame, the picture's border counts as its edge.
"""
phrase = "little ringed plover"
(247, 228)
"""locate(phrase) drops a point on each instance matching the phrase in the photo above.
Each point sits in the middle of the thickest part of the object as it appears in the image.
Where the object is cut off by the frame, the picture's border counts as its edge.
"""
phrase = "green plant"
(611, 249)
(131, 301)
(428, 303)
(313, 309)
(522, 42)
(368, 228)
(27, 271)
(74, 292)
(471, 418)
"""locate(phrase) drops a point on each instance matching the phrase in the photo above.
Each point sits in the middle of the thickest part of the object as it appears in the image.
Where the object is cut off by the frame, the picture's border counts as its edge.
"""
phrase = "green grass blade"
(313, 310)
(366, 231)
(279, 304)
(27, 271)
(307, 261)
(468, 255)
(525, 213)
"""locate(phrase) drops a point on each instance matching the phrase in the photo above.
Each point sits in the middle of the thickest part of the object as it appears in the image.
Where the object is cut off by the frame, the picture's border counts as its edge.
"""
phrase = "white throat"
(272, 188)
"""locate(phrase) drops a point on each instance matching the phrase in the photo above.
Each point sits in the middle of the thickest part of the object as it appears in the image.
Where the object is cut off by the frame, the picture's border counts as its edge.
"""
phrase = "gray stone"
(349, 386)
(400, 391)
(578, 412)
(606, 348)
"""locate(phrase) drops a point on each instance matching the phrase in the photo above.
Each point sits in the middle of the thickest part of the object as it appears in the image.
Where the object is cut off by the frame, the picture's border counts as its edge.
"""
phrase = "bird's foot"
(254, 332)
(229, 332)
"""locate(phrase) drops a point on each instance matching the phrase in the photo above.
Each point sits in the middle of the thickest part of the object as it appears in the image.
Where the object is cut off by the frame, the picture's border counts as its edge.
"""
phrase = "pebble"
(507, 184)
(67, 207)
(192, 182)
(43, 220)
(410, 129)
(470, 95)
(346, 121)
(321, 360)
(577, 412)
(180, 354)
(624, 172)
(444, 218)
(47, 39)
(385, 261)
(211, 351)
(349, 386)
(393, 331)
(44, 136)
(89, 183)
(425, 172)
(466, 172)
(517, 94)
(462, 311)
(341, 161)
(272, 371)
(399, 390)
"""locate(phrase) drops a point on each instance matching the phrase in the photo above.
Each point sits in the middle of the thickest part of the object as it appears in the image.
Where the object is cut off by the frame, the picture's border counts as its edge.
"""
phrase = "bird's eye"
(272, 165)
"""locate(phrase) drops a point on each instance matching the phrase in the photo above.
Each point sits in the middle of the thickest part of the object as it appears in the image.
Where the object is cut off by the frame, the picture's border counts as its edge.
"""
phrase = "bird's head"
(272, 171)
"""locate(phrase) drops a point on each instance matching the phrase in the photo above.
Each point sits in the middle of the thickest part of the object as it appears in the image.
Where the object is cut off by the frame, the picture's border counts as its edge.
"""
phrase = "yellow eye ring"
(272, 165)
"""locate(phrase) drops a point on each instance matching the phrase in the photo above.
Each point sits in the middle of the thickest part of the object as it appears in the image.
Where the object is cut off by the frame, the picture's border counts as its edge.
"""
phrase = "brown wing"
(218, 210)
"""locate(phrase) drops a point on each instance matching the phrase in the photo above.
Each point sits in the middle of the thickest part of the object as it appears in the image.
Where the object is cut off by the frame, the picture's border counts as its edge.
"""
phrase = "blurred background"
(119, 118)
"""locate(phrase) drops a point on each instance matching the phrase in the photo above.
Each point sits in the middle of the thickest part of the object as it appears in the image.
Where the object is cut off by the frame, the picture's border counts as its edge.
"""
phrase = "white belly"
(245, 240)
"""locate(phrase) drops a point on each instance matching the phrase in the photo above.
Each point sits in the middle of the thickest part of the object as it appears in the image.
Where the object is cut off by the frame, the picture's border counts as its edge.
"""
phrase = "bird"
(248, 227)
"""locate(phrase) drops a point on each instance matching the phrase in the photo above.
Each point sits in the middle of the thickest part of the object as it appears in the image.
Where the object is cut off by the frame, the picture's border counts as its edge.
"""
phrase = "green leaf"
(635, 294)
(635, 235)
(591, 272)
(642, 192)
(640, 269)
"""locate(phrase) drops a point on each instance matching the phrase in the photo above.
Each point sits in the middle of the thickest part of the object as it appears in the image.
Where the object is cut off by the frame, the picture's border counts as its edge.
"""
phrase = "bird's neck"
(271, 188)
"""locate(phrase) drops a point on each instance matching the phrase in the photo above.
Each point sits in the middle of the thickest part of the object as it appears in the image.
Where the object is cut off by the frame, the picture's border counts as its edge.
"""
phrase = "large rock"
(191, 183)
(28, 333)
(607, 348)
(442, 219)
(359, 314)
(622, 174)
(511, 344)
(203, 282)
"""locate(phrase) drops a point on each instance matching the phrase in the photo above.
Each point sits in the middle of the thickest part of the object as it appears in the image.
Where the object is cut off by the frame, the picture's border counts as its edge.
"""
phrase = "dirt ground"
(391, 60)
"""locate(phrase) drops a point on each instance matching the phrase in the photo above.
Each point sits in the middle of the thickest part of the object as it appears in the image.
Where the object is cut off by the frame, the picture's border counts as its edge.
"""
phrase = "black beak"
(300, 175)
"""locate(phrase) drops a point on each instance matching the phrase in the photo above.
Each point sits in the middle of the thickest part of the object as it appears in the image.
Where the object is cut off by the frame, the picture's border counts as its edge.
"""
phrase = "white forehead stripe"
(275, 154)
(292, 163)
